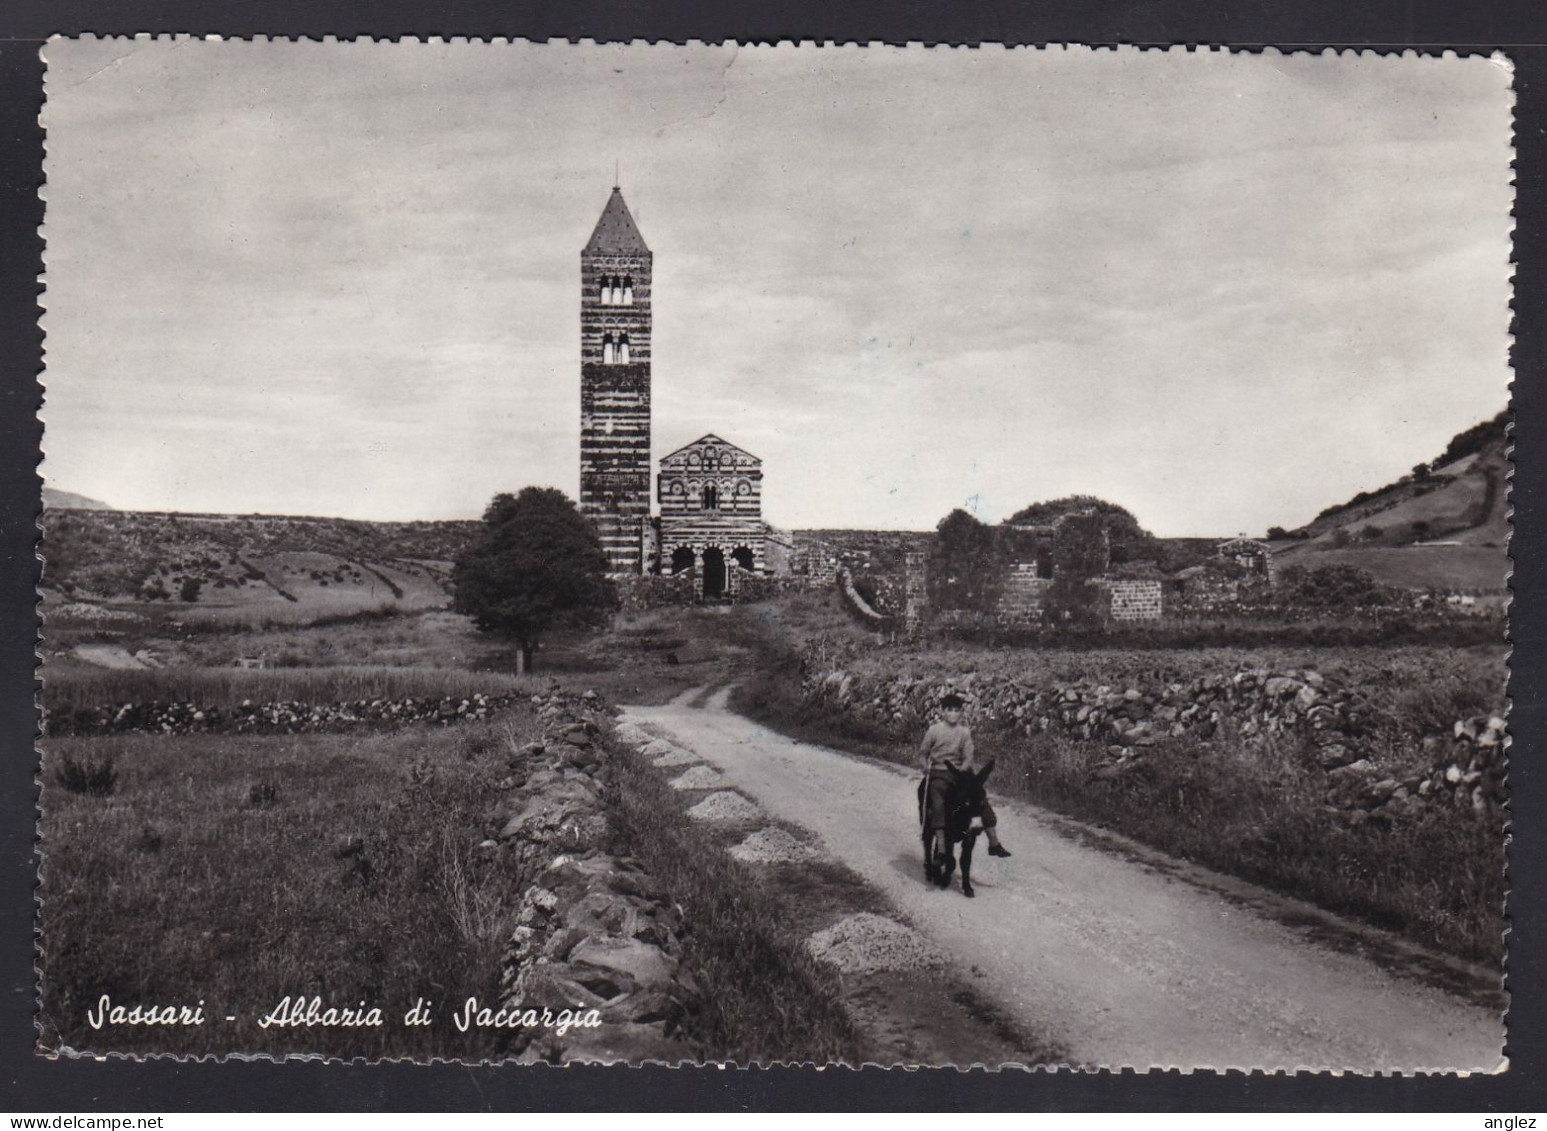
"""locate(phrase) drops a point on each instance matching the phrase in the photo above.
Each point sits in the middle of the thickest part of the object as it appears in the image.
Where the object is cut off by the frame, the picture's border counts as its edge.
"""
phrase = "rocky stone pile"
(1337, 723)
(866, 943)
(596, 936)
(283, 717)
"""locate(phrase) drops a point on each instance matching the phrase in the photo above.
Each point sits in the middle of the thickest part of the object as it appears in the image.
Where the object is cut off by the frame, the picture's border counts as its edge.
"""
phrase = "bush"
(190, 590)
(95, 777)
(262, 795)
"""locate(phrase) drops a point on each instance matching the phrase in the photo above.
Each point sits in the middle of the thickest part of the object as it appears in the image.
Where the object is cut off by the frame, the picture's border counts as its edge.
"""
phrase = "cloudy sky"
(1223, 291)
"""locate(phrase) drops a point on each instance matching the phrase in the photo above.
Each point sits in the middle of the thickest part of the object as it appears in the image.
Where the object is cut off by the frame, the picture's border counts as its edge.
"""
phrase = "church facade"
(711, 499)
(710, 491)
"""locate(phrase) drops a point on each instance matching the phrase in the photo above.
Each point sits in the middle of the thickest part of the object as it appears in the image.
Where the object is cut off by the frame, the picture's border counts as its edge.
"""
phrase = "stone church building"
(710, 491)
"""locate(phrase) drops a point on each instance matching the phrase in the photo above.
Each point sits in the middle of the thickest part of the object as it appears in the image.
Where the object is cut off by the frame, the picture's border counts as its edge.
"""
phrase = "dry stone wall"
(596, 937)
(279, 717)
(1342, 732)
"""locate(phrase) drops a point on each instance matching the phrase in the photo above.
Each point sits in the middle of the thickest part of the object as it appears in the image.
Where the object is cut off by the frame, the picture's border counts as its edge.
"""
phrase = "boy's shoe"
(998, 850)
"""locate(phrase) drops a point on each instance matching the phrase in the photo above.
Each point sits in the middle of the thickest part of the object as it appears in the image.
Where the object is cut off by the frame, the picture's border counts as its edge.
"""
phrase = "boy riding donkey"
(948, 754)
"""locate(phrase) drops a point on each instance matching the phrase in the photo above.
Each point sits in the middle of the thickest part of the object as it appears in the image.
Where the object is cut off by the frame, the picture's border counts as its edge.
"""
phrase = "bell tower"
(615, 385)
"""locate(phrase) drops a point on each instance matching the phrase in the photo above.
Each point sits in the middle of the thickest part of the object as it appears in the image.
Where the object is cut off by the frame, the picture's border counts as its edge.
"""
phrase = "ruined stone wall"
(1134, 599)
(812, 561)
(1024, 593)
(915, 590)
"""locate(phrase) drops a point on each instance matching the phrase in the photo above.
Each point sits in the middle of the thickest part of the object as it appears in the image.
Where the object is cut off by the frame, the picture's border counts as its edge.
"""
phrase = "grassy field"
(239, 870)
(375, 655)
(1445, 567)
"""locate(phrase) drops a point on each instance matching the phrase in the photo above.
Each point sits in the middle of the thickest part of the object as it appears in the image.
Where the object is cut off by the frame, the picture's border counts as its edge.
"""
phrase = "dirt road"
(1124, 964)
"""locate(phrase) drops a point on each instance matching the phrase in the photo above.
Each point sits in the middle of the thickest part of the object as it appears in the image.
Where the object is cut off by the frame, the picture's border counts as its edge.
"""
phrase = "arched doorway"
(714, 572)
(743, 557)
(682, 559)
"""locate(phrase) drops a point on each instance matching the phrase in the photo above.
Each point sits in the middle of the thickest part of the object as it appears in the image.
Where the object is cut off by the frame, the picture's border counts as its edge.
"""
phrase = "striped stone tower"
(615, 385)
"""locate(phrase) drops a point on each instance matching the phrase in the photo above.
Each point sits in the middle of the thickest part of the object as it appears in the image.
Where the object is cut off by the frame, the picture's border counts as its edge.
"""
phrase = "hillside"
(1445, 526)
(55, 499)
(241, 566)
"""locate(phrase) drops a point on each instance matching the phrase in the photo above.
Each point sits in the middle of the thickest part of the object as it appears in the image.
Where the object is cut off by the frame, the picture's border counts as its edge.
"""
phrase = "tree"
(1129, 541)
(536, 565)
(966, 564)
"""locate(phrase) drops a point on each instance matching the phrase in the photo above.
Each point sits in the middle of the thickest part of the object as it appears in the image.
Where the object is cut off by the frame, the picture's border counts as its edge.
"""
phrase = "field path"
(1124, 964)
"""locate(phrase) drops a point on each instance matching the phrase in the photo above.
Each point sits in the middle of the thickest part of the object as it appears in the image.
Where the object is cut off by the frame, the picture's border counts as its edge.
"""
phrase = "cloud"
(1223, 290)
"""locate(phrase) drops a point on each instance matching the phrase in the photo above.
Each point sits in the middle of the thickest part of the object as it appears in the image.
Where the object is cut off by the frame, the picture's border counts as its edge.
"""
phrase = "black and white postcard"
(680, 553)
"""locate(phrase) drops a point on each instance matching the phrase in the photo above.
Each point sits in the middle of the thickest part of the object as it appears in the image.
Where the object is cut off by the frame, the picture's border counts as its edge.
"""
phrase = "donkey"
(964, 797)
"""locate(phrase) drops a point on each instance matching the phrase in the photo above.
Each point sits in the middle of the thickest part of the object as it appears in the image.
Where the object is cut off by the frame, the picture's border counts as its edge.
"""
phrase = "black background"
(31, 1083)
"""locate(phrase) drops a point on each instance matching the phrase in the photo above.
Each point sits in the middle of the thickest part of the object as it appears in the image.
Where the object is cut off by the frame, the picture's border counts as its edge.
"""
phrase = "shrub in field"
(1333, 587)
(263, 794)
(94, 777)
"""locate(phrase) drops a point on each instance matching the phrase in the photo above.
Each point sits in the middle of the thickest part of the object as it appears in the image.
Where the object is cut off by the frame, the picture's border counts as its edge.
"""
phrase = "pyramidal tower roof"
(616, 233)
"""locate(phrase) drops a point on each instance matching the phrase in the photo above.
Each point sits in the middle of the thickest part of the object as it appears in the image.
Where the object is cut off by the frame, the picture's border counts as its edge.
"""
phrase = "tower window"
(711, 497)
(609, 351)
(616, 290)
(623, 350)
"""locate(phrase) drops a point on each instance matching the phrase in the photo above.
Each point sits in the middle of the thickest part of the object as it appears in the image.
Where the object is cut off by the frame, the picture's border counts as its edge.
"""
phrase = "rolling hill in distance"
(1445, 526)
(55, 499)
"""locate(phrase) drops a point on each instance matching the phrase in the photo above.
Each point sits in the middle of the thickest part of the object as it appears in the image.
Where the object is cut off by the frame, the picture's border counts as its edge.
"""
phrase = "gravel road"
(1124, 964)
